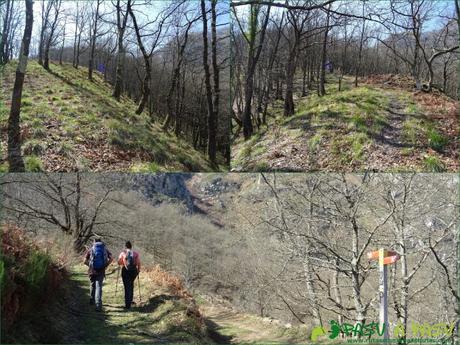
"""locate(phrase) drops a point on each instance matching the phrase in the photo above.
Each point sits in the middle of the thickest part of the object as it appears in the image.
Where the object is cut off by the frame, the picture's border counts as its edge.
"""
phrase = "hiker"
(131, 265)
(97, 258)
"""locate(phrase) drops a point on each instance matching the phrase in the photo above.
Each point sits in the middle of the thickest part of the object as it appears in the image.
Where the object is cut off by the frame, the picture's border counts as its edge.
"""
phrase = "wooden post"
(383, 292)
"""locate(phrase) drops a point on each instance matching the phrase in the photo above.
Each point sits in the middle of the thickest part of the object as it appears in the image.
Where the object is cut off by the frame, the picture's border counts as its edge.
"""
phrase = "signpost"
(385, 257)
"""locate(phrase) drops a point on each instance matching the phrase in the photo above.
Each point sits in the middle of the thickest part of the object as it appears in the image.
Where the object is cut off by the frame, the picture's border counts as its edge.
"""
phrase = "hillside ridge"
(381, 125)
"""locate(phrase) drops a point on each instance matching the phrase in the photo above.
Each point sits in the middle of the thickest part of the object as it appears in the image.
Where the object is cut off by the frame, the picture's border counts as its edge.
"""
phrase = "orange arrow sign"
(390, 259)
(390, 256)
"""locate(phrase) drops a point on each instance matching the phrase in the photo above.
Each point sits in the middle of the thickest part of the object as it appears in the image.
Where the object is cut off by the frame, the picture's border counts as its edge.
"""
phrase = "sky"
(438, 6)
(144, 13)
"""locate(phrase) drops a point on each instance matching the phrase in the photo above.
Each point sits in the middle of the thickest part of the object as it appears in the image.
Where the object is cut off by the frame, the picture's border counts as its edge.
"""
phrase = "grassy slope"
(160, 317)
(369, 127)
(69, 122)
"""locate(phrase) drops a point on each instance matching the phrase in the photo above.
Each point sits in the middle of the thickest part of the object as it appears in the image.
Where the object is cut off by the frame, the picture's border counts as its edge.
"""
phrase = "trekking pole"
(116, 285)
(139, 286)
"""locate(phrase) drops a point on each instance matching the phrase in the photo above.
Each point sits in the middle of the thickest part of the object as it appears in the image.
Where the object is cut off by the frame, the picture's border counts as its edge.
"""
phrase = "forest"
(130, 85)
(356, 85)
(266, 257)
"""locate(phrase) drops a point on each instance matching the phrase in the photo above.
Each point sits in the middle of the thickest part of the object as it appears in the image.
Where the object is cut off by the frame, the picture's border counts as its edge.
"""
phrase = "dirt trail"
(237, 328)
(387, 146)
(158, 317)
(391, 134)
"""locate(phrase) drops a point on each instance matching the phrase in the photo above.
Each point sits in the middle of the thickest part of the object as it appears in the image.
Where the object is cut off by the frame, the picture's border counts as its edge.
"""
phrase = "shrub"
(169, 281)
(35, 269)
(27, 275)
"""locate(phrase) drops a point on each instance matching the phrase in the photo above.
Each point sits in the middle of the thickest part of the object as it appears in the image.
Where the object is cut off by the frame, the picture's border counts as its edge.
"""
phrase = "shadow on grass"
(304, 121)
(66, 318)
(86, 92)
(215, 335)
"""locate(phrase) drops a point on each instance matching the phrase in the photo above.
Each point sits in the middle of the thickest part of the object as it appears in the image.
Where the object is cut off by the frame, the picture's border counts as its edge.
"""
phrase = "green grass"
(413, 130)
(33, 164)
(145, 168)
(350, 148)
(411, 109)
(436, 140)
(65, 106)
(314, 141)
(261, 166)
(433, 164)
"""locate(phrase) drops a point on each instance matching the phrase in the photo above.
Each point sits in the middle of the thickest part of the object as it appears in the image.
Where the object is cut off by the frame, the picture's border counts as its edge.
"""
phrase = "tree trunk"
(304, 79)
(322, 79)
(355, 275)
(213, 121)
(121, 24)
(42, 35)
(337, 294)
(63, 43)
(148, 71)
(57, 5)
(5, 33)
(405, 286)
(289, 107)
(77, 61)
(253, 57)
(360, 51)
(175, 80)
(75, 39)
(16, 163)
(93, 43)
(211, 127)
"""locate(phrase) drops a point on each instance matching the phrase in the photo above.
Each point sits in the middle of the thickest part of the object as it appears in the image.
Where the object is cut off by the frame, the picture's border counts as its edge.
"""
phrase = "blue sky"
(438, 6)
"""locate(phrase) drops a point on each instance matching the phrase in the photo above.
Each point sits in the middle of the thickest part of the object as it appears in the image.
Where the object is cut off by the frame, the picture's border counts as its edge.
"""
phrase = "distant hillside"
(70, 123)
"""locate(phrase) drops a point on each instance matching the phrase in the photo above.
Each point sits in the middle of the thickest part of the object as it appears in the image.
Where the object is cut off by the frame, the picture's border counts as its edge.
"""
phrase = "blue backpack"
(98, 256)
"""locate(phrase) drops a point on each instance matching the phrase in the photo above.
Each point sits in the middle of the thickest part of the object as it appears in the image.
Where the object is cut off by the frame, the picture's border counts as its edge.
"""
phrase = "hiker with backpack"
(130, 268)
(97, 258)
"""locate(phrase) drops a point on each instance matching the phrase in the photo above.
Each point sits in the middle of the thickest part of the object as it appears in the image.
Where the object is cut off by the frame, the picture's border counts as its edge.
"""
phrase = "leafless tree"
(16, 163)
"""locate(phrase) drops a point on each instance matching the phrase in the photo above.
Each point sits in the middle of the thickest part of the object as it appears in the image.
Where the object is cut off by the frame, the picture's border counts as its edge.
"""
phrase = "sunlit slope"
(70, 123)
(371, 127)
